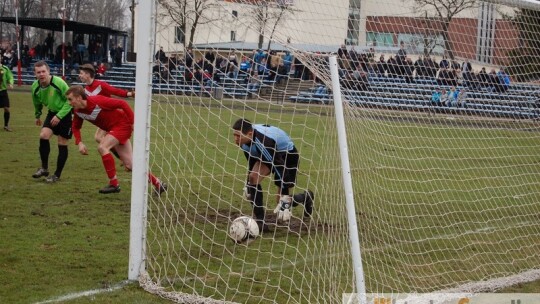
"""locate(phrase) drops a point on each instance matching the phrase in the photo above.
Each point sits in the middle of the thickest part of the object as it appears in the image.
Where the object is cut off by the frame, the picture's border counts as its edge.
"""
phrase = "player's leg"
(7, 116)
(4, 103)
(63, 132)
(258, 172)
(125, 152)
(44, 148)
(98, 136)
(104, 149)
(285, 180)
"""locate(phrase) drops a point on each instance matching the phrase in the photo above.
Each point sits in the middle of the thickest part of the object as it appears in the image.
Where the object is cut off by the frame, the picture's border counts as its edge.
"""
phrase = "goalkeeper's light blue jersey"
(268, 140)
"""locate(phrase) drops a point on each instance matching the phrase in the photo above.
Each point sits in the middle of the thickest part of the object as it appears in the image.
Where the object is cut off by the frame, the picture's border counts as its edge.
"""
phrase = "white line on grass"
(87, 293)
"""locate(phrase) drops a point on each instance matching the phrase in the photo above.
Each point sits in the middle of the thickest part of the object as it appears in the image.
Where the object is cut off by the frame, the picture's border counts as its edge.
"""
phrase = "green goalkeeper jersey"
(52, 96)
(7, 77)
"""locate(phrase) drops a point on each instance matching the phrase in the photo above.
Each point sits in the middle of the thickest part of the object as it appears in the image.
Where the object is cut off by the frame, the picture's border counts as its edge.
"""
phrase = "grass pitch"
(65, 239)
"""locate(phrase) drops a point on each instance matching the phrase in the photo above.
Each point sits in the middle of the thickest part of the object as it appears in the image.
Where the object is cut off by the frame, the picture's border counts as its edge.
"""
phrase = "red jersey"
(104, 112)
(98, 87)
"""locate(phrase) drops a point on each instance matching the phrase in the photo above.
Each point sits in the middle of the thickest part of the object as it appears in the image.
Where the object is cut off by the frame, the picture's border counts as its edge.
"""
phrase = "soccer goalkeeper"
(268, 150)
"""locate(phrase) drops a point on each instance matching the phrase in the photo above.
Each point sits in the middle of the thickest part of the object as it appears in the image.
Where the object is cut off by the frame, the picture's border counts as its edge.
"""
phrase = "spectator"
(419, 67)
(452, 97)
(436, 97)
(101, 69)
(444, 63)
(360, 79)
(401, 58)
(49, 43)
(209, 58)
(254, 82)
(188, 59)
(431, 67)
(245, 65)
(494, 84)
(444, 97)
(287, 62)
(118, 55)
(258, 57)
(483, 78)
(381, 66)
(466, 70)
(462, 99)
(504, 80)
(160, 55)
(342, 51)
(392, 67)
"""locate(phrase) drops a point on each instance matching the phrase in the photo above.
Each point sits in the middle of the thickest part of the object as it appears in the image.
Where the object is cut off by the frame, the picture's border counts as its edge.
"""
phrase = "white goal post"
(422, 146)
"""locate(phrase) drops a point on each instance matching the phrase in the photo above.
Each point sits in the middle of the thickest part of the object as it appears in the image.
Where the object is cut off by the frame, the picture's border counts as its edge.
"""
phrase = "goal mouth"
(440, 120)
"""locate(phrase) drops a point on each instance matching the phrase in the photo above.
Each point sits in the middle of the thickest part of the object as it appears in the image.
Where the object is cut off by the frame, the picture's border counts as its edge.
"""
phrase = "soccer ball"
(242, 228)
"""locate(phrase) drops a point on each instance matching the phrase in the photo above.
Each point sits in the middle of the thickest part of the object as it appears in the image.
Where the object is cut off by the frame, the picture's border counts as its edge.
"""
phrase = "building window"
(235, 14)
(380, 39)
(233, 35)
(179, 36)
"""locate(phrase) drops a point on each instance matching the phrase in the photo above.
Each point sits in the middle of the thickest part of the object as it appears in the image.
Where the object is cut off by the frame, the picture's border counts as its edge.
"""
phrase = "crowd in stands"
(210, 67)
(74, 55)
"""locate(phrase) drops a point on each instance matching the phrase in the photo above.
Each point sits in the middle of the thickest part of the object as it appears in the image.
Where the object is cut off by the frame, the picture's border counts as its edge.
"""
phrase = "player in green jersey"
(50, 91)
(6, 80)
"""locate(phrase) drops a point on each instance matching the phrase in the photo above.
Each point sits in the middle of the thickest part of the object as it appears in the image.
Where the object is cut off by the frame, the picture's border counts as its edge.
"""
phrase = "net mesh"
(443, 156)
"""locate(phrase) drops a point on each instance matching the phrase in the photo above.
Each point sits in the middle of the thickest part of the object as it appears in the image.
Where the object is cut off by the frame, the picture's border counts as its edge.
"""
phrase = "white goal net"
(441, 112)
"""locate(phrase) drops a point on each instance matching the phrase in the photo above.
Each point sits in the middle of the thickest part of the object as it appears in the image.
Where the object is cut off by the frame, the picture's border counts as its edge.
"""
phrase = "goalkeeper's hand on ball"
(283, 208)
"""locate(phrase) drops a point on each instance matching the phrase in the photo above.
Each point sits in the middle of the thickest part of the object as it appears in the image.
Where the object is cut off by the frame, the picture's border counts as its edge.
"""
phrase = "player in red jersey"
(93, 87)
(116, 118)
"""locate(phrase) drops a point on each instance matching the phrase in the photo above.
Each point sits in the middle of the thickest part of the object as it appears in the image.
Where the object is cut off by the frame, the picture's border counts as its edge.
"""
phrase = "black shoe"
(40, 172)
(109, 189)
(308, 203)
(52, 179)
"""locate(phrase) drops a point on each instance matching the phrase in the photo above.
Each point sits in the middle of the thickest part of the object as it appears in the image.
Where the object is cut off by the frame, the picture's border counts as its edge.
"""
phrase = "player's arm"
(38, 106)
(9, 78)
(116, 91)
(76, 126)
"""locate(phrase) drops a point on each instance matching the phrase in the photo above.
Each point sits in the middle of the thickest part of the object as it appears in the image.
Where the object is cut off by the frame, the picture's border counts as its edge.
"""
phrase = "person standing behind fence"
(118, 56)
(49, 43)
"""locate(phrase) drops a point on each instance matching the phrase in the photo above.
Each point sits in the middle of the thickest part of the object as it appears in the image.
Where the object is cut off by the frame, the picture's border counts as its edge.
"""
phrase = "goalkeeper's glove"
(283, 208)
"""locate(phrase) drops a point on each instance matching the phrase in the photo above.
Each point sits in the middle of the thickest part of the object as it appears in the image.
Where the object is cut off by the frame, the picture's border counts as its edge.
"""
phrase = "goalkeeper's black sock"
(257, 201)
(62, 159)
(7, 115)
(44, 150)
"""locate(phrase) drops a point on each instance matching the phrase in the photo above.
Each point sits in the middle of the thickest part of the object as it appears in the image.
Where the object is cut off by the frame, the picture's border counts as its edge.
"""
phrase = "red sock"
(108, 163)
(154, 180)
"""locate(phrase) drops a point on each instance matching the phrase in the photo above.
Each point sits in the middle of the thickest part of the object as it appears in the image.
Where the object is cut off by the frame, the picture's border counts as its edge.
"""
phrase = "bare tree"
(2, 11)
(188, 15)
(268, 14)
(444, 11)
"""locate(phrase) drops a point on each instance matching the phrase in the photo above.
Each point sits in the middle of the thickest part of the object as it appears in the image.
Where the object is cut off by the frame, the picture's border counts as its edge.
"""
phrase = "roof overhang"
(55, 24)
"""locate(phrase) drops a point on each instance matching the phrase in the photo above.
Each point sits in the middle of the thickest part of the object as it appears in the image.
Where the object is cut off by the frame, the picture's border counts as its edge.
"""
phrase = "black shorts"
(63, 128)
(4, 99)
(284, 175)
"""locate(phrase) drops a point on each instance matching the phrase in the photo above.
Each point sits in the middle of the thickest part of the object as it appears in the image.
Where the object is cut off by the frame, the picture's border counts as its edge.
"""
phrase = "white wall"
(312, 22)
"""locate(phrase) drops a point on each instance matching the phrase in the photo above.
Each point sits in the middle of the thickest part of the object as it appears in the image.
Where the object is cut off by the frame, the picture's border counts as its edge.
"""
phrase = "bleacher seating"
(520, 101)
